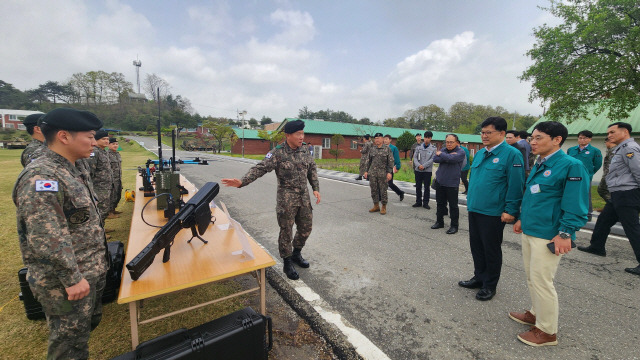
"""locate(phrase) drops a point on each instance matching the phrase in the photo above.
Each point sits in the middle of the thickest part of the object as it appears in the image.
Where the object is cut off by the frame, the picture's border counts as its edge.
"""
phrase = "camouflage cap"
(71, 119)
(293, 126)
(32, 119)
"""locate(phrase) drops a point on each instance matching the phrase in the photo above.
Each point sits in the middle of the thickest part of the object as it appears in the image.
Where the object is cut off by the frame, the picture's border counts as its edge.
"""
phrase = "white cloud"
(298, 27)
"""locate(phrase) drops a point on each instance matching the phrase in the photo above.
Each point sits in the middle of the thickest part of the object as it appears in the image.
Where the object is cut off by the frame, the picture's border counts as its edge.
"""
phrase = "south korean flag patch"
(47, 185)
(269, 155)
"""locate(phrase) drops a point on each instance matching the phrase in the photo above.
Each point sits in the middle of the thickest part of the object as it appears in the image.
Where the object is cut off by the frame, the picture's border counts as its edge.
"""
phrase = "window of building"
(13, 117)
(326, 143)
(354, 145)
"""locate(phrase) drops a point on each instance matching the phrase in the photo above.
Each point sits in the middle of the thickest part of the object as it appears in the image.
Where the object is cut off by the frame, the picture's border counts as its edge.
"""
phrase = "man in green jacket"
(396, 165)
(554, 207)
(495, 193)
(589, 155)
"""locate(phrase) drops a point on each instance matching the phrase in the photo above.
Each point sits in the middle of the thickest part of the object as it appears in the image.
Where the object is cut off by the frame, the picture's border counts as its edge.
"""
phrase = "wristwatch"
(564, 235)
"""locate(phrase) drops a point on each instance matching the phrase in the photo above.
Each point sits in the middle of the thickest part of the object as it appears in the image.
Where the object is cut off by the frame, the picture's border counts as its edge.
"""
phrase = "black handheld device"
(552, 246)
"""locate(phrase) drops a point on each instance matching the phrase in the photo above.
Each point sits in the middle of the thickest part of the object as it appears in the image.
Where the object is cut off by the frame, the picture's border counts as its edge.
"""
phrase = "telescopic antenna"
(160, 165)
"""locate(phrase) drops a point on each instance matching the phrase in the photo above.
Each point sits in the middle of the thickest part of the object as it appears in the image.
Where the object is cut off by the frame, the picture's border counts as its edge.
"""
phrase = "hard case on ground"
(244, 335)
(112, 286)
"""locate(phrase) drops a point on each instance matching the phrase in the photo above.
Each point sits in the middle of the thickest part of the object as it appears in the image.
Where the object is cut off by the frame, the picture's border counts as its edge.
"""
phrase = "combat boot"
(289, 270)
(375, 208)
(298, 259)
(383, 210)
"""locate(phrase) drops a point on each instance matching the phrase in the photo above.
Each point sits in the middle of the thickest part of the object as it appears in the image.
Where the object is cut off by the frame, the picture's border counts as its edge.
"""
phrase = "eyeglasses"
(487, 133)
(539, 137)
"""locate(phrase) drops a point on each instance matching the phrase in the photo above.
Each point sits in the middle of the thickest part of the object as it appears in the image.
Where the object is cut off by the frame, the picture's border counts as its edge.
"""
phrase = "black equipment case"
(240, 335)
(112, 287)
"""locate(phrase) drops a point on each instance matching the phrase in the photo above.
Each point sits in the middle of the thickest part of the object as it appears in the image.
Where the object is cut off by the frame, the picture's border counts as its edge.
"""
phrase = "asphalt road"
(395, 280)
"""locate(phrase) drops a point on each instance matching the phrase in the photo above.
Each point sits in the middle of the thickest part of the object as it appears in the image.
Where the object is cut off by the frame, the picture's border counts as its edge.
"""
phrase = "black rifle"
(196, 214)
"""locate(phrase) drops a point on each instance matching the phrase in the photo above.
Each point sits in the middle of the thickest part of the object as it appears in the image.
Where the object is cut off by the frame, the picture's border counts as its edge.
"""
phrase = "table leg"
(133, 316)
(263, 294)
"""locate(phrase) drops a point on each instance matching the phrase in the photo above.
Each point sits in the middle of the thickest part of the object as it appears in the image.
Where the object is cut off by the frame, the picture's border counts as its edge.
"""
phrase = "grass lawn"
(21, 338)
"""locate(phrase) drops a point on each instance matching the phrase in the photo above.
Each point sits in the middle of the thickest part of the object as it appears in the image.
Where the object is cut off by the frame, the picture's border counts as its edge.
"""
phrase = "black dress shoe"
(426, 206)
(472, 283)
(634, 271)
(359, 178)
(401, 196)
(485, 294)
(437, 225)
(452, 230)
(416, 205)
(593, 251)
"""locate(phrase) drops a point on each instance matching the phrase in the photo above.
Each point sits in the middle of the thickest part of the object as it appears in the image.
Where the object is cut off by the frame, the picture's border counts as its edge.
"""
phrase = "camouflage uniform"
(293, 169)
(603, 189)
(32, 152)
(379, 164)
(102, 179)
(366, 147)
(62, 241)
(116, 167)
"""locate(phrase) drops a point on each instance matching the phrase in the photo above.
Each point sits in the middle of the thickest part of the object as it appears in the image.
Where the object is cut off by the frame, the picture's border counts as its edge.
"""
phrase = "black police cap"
(101, 134)
(112, 140)
(32, 119)
(71, 119)
(293, 126)
(378, 135)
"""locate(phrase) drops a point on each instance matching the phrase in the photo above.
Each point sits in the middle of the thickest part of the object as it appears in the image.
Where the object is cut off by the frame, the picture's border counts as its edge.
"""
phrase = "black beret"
(112, 140)
(292, 126)
(418, 134)
(32, 119)
(378, 135)
(367, 136)
(71, 119)
(101, 134)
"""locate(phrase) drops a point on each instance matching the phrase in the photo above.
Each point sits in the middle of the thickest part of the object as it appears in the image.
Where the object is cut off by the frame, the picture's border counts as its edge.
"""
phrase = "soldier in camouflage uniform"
(101, 173)
(603, 189)
(294, 167)
(35, 147)
(116, 167)
(61, 236)
(378, 170)
(364, 153)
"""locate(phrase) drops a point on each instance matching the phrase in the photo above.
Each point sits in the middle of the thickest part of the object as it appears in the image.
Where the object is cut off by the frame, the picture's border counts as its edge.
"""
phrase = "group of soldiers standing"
(71, 182)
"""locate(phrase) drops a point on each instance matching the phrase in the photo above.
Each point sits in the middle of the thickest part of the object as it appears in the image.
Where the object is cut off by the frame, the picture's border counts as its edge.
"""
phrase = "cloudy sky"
(372, 59)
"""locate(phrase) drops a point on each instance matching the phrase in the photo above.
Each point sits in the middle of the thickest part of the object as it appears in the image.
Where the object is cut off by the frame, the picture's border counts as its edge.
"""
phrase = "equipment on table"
(196, 213)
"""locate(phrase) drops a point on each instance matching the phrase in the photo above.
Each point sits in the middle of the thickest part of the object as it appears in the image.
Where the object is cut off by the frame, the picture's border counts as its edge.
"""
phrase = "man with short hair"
(451, 159)
(61, 236)
(378, 170)
(623, 181)
(495, 194)
(512, 138)
(417, 143)
(364, 153)
(554, 207)
(396, 165)
(589, 155)
(116, 167)
(529, 158)
(101, 173)
(293, 167)
(422, 169)
(35, 147)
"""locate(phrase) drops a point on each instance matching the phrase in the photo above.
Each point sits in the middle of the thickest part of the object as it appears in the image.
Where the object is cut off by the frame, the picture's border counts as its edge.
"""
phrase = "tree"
(10, 97)
(151, 84)
(219, 129)
(274, 137)
(265, 120)
(337, 139)
(591, 59)
(405, 141)
(253, 123)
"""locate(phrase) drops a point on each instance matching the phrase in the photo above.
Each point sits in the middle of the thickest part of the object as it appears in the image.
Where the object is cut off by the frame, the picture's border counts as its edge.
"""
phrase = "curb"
(334, 337)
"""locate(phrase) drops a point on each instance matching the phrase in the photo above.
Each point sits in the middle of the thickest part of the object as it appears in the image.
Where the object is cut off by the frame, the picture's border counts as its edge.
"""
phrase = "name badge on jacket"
(535, 188)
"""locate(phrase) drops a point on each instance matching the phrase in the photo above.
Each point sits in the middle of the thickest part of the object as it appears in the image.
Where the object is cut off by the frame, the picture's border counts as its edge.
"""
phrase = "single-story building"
(12, 119)
(598, 125)
(318, 133)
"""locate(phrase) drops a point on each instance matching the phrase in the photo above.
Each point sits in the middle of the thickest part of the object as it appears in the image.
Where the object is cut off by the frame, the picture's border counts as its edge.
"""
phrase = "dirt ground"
(293, 338)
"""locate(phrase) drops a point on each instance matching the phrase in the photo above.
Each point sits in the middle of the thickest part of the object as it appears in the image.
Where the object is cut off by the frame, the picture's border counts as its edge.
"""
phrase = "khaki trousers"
(541, 265)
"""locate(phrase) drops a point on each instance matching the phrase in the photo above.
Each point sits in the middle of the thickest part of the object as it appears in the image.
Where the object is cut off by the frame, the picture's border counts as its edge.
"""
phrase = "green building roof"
(348, 129)
(248, 133)
(597, 124)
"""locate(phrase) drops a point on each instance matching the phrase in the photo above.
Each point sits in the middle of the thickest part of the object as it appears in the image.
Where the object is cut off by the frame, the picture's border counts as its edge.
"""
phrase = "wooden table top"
(191, 264)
